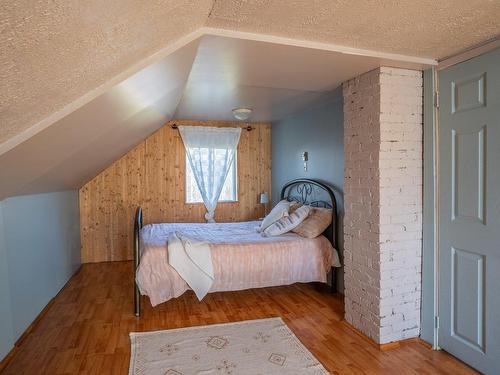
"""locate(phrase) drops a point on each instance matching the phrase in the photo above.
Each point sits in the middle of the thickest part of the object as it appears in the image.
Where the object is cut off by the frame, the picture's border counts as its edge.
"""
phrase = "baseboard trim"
(425, 344)
(387, 346)
(10, 355)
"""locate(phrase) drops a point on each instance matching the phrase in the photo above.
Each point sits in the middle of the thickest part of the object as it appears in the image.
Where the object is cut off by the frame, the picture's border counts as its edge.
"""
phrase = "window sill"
(220, 202)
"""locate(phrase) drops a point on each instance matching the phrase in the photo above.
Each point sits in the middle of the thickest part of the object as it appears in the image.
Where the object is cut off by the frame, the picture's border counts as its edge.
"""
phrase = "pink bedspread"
(241, 257)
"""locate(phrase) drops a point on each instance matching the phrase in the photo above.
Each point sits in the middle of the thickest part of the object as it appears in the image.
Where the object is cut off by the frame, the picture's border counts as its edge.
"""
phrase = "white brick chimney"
(383, 203)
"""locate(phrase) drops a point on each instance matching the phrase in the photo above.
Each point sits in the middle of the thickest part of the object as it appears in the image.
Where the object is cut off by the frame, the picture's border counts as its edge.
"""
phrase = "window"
(229, 190)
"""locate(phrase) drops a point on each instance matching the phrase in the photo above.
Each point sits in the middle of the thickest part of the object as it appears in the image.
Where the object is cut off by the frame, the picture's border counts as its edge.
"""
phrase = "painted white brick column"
(383, 203)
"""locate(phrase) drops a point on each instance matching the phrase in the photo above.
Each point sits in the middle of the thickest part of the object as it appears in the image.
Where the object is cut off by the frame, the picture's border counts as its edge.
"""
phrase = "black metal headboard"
(317, 194)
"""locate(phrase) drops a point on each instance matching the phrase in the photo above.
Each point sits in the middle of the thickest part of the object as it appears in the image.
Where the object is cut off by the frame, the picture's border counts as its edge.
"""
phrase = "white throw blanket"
(192, 260)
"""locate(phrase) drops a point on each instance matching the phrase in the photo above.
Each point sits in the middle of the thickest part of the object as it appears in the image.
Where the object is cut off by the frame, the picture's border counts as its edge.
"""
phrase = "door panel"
(468, 94)
(469, 211)
(468, 298)
(468, 173)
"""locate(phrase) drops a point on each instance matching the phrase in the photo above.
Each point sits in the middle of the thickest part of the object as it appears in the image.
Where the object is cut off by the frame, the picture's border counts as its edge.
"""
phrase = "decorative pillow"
(318, 220)
(287, 223)
(279, 211)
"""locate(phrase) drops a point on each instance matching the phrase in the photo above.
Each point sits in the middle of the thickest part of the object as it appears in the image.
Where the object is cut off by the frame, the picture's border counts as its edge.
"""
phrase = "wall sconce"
(305, 159)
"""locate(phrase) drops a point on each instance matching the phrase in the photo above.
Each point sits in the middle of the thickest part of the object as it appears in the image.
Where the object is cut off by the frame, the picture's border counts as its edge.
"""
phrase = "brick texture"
(383, 203)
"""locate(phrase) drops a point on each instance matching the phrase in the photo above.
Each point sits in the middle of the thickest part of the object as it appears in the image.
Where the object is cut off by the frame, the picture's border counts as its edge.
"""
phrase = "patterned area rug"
(256, 347)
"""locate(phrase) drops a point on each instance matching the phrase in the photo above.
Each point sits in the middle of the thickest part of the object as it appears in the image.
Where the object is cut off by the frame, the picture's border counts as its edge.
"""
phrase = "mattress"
(242, 258)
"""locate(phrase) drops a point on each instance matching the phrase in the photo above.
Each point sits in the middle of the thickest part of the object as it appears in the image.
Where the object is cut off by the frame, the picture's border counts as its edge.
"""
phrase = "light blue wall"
(319, 130)
(41, 252)
(6, 334)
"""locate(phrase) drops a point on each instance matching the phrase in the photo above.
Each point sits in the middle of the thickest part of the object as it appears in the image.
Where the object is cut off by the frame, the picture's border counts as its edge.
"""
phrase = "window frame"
(236, 182)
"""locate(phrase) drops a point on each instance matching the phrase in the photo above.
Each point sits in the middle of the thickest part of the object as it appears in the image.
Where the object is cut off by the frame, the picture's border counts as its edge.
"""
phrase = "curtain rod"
(247, 128)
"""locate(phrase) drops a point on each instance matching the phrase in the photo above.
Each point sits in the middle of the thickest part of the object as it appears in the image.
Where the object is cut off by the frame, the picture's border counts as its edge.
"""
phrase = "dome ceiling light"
(242, 114)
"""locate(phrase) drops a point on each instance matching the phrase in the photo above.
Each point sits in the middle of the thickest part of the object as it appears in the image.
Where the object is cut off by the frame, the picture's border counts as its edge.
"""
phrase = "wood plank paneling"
(152, 175)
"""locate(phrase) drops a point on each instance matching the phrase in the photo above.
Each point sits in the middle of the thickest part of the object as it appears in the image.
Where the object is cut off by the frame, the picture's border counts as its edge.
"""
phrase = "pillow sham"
(318, 220)
(278, 211)
(287, 223)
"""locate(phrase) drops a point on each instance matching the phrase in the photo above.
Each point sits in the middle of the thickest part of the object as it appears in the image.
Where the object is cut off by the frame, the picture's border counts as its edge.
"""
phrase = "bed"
(242, 258)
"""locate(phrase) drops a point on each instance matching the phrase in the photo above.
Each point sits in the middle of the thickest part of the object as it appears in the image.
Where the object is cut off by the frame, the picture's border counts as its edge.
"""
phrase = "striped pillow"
(318, 220)
(279, 211)
(287, 223)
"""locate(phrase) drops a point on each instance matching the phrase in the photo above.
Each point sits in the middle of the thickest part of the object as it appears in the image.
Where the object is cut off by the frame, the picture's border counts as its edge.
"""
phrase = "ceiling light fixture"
(242, 114)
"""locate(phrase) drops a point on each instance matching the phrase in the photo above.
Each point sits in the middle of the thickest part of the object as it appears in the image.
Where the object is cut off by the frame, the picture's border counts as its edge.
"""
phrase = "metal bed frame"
(301, 190)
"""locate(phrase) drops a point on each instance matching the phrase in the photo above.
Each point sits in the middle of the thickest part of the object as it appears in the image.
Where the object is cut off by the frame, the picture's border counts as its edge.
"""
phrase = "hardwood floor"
(86, 329)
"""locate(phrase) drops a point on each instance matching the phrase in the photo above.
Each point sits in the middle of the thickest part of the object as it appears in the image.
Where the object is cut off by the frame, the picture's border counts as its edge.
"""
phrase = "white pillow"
(279, 211)
(287, 223)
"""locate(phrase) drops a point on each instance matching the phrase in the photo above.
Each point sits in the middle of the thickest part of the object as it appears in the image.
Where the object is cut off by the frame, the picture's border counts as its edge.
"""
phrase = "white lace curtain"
(210, 152)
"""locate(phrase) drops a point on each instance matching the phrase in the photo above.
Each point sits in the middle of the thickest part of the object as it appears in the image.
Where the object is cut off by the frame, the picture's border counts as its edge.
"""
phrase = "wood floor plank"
(86, 330)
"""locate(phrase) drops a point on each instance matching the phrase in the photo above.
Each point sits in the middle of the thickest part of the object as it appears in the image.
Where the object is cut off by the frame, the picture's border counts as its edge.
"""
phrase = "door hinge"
(436, 322)
(436, 99)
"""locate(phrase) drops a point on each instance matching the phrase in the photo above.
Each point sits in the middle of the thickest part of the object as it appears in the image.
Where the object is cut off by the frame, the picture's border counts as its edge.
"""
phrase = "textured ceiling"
(205, 80)
(424, 28)
(56, 56)
(53, 52)
(73, 150)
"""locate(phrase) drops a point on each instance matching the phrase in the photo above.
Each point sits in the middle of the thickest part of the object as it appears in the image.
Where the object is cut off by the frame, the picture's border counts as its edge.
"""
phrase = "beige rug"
(256, 347)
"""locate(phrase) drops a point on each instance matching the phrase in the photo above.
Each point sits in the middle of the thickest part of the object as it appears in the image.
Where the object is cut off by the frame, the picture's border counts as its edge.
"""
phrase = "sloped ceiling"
(75, 148)
(53, 52)
(425, 28)
(273, 79)
(203, 80)
(64, 115)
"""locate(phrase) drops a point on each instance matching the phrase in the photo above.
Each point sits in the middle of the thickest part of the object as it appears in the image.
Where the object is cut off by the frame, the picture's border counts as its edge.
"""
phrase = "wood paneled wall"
(152, 175)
